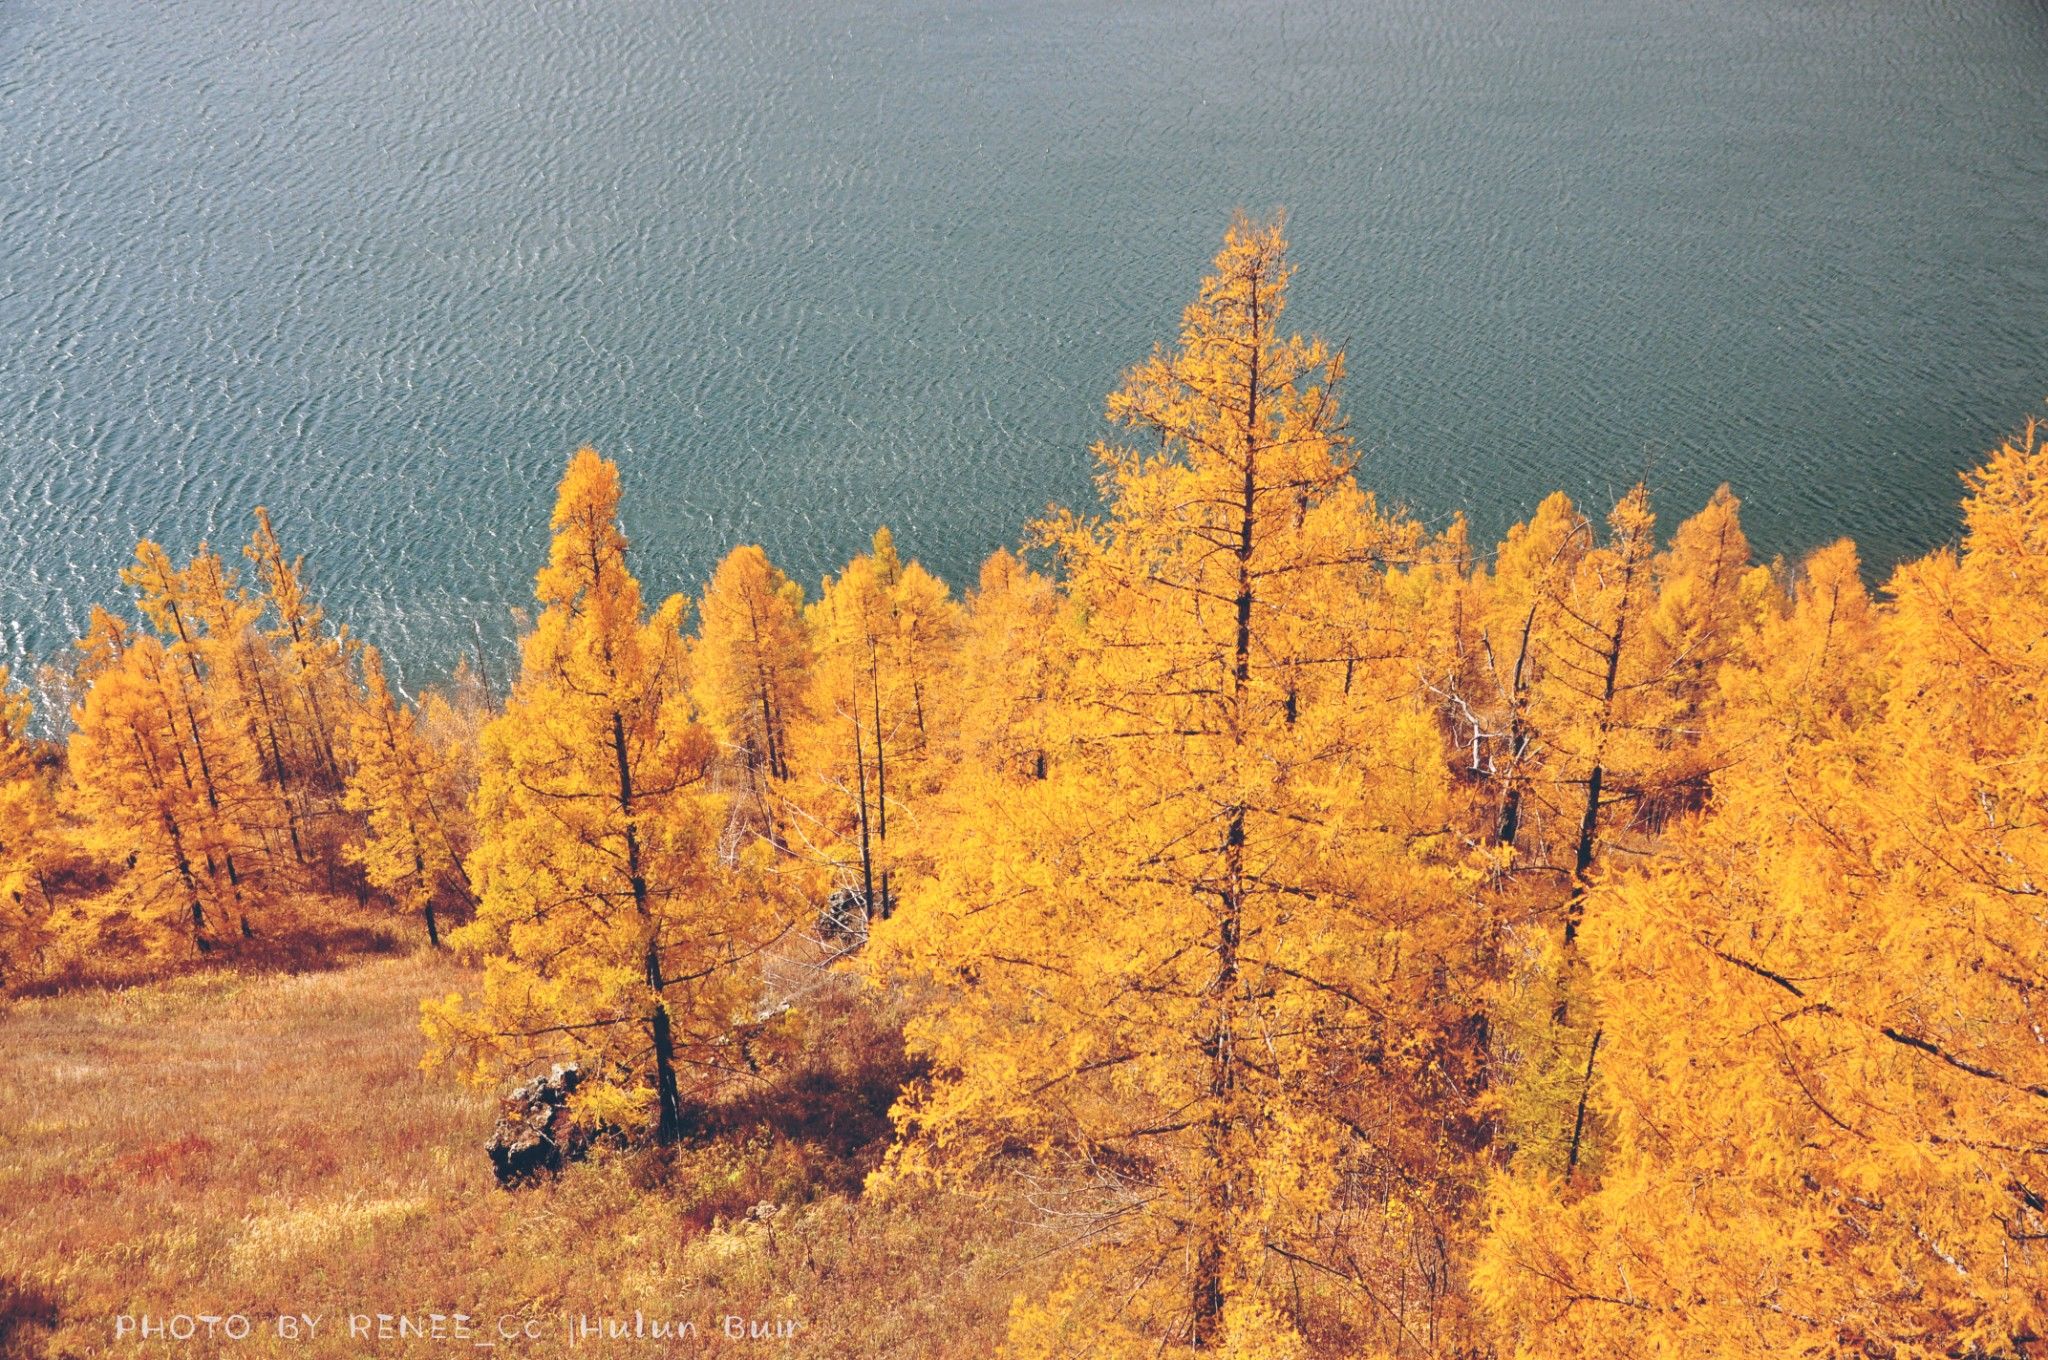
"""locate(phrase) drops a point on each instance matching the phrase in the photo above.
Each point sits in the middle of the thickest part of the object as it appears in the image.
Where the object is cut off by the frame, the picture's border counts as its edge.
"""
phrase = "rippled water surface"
(380, 264)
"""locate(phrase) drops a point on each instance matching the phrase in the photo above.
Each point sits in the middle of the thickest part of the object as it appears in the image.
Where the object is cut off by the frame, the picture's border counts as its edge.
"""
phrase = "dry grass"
(243, 1144)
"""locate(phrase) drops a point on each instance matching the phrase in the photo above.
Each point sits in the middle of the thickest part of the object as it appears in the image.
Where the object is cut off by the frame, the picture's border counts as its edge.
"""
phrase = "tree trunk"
(1219, 1188)
(881, 778)
(668, 1127)
(1589, 819)
(191, 884)
(1511, 798)
(669, 1122)
(1582, 857)
(1579, 1123)
(419, 874)
(772, 753)
(867, 859)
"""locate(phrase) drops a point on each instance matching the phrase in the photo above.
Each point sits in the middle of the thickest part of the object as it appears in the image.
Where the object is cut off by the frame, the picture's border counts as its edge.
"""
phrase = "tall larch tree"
(1620, 651)
(1205, 974)
(246, 694)
(1695, 631)
(841, 822)
(312, 657)
(612, 927)
(1592, 704)
(1516, 612)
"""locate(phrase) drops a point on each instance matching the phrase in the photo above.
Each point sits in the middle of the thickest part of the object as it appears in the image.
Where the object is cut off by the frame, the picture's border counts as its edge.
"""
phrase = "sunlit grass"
(227, 1144)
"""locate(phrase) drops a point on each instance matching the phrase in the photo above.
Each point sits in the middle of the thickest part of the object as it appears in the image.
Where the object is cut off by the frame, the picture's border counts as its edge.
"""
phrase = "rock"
(534, 1134)
(844, 919)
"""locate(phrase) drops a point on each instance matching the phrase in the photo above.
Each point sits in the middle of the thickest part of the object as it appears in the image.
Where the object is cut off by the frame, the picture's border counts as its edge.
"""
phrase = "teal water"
(380, 264)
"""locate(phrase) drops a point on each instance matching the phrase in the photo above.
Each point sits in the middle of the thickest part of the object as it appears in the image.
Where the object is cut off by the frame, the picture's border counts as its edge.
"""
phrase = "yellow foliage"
(156, 782)
(1204, 975)
(409, 792)
(750, 660)
(882, 633)
(1342, 941)
(1824, 1085)
(27, 831)
(615, 925)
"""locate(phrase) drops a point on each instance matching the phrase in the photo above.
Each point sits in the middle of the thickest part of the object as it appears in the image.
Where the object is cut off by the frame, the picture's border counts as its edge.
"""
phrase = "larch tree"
(145, 799)
(1204, 978)
(841, 821)
(1515, 611)
(312, 657)
(200, 619)
(200, 735)
(28, 830)
(1434, 597)
(924, 635)
(749, 666)
(247, 696)
(1695, 630)
(1808, 662)
(882, 633)
(1826, 1087)
(1597, 685)
(614, 929)
(409, 794)
(1619, 656)
(1009, 663)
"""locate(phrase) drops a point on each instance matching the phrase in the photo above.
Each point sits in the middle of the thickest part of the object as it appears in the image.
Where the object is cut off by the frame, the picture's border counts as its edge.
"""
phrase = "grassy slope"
(226, 1143)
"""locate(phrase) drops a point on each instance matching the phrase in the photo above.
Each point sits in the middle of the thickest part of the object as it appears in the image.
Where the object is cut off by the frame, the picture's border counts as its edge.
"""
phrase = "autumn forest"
(1309, 933)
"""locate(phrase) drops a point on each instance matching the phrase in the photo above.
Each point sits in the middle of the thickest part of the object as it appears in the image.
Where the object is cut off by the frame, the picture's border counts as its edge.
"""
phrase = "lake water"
(380, 264)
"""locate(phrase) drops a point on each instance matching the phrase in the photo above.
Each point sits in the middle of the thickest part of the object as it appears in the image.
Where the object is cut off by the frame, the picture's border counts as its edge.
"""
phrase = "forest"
(1301, 931)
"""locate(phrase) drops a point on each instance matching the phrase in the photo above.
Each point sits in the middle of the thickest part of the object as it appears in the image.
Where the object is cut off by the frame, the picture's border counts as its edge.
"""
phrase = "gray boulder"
(534, 1134)
(843, 921)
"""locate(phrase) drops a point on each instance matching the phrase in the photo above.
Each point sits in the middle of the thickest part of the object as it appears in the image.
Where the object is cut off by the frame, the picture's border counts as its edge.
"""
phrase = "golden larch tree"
(1010, 661)
(882, 632)
(28, 835)
(1204, 977)
(1695, 630)
(408, 792)
(749, 666)
(1516, 609)
(201, 619)
(1825, 1087)
(311, 657)
(143, 797)
(613, 928)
